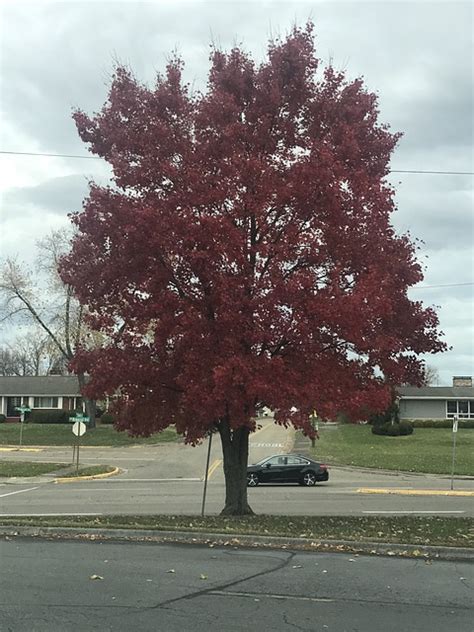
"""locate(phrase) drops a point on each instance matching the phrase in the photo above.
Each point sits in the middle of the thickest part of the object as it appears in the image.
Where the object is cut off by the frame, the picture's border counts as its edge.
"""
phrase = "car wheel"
(252, 480)
(309, 479)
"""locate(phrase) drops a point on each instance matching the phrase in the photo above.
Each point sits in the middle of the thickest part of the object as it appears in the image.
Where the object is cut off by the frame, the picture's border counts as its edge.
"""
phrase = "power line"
(425, 287)
(31, 153)
(416, 171)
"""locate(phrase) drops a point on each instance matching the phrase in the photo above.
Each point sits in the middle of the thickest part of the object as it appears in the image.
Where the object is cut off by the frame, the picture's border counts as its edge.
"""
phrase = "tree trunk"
(235, 448)
(88, 403)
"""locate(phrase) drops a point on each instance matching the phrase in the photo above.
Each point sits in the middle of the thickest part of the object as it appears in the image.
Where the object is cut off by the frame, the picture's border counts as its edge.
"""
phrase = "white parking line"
(20, 491)
(28, 515)
(414, 512)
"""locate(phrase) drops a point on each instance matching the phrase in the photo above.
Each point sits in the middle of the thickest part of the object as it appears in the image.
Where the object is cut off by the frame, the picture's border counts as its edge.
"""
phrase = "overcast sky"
(416, 55)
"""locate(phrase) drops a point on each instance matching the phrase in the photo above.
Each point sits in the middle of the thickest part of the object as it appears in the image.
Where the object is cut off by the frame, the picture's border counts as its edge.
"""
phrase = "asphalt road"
(47, 586)
(167, 478)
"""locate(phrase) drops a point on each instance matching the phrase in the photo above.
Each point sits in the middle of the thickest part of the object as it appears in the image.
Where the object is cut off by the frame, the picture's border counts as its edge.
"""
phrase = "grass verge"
(91, 470)
(61, 434)
(426, 450)
(416, 530)
(24, 468)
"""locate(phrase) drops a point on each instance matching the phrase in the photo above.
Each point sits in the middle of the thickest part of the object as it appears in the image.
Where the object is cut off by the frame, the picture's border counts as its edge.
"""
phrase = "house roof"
(40, 385)
(436, 392)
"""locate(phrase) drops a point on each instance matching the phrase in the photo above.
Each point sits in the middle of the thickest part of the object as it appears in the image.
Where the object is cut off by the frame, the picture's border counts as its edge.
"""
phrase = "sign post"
(315, 426)
(206, 475)
(455, 432)
(78, 428)
(22, 410)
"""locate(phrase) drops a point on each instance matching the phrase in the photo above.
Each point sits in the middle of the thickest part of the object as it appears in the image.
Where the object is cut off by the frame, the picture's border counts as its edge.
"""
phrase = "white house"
(47, 392)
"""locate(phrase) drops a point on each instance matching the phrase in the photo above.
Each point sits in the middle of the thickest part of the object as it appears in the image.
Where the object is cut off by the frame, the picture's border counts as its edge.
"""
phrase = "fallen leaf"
(171, 570)
(202, 576)
(351, 559)
(96, 577)
(149, 580)
(297, 566)
(324, 571)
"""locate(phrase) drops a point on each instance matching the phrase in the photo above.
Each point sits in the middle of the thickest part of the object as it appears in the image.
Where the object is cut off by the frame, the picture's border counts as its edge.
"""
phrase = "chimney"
(462, 380)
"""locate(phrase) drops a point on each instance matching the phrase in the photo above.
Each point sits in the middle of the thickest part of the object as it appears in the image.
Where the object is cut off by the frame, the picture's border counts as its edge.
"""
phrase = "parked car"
(287, 468)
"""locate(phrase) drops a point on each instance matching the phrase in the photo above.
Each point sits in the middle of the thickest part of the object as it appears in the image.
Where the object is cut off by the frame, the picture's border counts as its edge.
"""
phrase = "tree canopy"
(244, 255)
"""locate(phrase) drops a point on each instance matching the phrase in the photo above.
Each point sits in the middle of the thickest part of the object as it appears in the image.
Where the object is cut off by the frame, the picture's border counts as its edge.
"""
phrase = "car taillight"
(323, 467)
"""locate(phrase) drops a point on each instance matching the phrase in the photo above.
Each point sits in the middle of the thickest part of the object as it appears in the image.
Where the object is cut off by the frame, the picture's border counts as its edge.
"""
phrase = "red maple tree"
(245, 255)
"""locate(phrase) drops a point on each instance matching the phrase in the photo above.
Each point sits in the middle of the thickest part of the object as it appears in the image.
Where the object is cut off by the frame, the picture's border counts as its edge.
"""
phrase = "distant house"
(46, 392)
(438, 402)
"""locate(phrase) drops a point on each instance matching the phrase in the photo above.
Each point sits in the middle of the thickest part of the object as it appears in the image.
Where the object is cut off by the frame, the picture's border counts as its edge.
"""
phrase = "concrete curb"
(244, 541)
(74, 479)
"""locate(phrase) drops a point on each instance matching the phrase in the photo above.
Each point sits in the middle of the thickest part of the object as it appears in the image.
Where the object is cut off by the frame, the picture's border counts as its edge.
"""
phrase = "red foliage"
(245, 255)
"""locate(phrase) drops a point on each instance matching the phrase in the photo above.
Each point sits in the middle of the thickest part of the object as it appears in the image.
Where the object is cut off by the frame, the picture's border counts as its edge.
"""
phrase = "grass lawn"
(426, 450)
(21, 468)
(61, 434)
(416, 530)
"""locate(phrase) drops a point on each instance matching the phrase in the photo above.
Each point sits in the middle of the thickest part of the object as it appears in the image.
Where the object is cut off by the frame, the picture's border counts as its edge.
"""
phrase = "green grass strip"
(427, 450)
(24, 468)
(61, 434)
(416, 530)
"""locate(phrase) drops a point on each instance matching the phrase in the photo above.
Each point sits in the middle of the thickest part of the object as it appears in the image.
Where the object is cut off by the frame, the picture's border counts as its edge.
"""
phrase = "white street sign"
(79, 428)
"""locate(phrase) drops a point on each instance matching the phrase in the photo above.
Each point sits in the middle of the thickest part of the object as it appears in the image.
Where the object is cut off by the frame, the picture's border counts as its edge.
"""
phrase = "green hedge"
(53, 416)
(2, 419)
(441, 423)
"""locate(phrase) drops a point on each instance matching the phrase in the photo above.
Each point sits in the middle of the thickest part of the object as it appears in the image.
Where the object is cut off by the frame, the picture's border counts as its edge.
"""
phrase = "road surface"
(54, 586)
(167, 478)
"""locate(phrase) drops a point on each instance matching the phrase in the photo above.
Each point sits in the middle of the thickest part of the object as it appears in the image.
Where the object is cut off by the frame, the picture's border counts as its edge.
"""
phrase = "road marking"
(21, 449)
(414, 512)
(20, 491)
(265, 445)
(213, 468)
(153, 480)
(228, 593)
(413, 492)
(23, 515)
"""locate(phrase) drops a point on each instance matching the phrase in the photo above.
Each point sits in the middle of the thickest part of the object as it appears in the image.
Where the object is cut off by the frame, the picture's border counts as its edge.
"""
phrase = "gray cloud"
(416, 55)
(61, 195)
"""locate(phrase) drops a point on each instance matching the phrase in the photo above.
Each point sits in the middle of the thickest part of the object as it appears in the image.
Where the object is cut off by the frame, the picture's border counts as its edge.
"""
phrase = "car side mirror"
(268, 465)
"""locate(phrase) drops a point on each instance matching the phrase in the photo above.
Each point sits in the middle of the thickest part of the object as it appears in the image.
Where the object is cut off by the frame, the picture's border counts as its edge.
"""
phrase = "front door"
(12, 403)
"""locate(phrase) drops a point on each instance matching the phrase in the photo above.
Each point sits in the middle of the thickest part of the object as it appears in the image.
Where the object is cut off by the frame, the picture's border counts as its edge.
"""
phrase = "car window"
(297, 460)
(275, 460)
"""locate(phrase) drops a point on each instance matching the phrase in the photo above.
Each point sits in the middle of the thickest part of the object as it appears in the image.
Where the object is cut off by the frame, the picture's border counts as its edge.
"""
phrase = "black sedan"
(287, 468)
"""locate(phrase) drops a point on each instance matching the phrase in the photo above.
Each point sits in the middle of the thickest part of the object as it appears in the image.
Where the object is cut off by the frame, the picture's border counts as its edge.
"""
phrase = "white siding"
(422, 409)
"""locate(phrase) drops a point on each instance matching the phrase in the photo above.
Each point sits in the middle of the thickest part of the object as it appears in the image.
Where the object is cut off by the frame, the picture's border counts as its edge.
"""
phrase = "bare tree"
(431, 375)
(45, 301)
(29, 354)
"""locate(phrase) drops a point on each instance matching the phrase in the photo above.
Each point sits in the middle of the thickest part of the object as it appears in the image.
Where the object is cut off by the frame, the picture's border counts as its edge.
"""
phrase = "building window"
(463, 408)
(45, 402)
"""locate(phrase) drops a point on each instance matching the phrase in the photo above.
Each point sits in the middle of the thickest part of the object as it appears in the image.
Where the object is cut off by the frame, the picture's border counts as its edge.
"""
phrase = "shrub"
(393, 430)
(50, 416)
(406, 428)
(107, 418)
(381, 419)
(2, 419)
